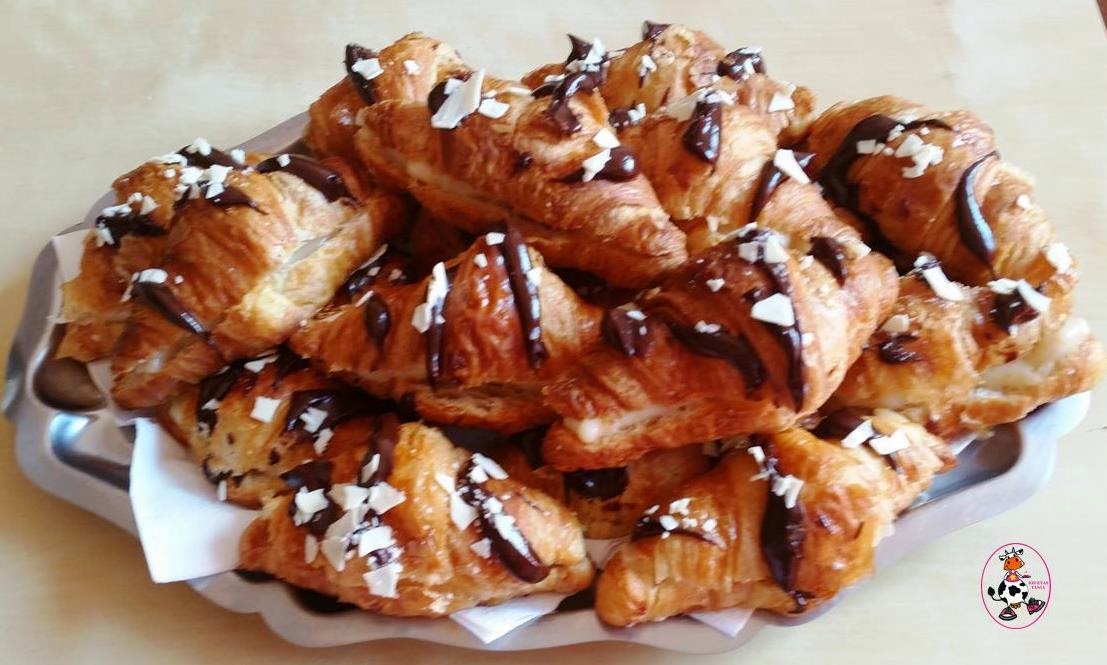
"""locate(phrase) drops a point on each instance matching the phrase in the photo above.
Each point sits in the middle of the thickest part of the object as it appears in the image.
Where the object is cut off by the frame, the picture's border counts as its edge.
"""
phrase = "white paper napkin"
(492, 623)
(727, 622)
(186, 532)
(68, 248)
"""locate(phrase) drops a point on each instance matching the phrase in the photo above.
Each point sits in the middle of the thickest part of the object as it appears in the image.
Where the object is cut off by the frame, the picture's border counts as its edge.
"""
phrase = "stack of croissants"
(669, 303)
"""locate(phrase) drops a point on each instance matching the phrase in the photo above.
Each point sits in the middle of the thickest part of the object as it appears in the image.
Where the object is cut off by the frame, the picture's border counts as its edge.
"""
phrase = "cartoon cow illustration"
(1012, 589)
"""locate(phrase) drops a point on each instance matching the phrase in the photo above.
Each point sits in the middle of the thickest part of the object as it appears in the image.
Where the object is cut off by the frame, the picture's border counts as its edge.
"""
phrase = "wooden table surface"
(89, 89)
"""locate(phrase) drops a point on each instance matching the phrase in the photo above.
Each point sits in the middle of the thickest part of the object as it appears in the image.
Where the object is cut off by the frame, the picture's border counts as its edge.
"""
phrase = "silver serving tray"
(80, 455)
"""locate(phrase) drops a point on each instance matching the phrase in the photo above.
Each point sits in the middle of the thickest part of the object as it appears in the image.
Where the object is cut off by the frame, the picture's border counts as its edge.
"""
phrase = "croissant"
(933, 182)
(405, 70)
(606, 501)
(431, 530)
(748, 336)
(256, 421)
(126, 238)
(256, 252)
(486, 152)
(783, 525)
(966, 364)
(472, 344)
(671, 63)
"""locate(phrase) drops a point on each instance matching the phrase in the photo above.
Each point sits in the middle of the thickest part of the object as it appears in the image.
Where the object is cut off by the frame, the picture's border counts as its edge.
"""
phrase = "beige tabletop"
(89, 89)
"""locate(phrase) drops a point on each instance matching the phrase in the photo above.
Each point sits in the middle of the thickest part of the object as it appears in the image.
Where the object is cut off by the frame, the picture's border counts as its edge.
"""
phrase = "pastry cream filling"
(590, 430)
(1030, 369)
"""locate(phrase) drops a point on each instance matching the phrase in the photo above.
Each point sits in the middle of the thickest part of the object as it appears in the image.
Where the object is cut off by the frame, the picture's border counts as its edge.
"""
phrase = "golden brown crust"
(614, 408)
(289, 252)
(685, 61)
(520, 167)
(486, 379)
(962, 371)
(251, 454)
(609, 502)
(847, 502)
(441, 573)
(332, 117)
(920, 214)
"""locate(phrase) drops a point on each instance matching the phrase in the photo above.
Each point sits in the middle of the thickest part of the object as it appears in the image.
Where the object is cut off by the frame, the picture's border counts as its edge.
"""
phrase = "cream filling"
(1036, 364)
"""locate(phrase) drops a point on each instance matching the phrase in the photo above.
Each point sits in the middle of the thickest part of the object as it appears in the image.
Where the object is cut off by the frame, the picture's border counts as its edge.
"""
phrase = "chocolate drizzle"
(434, 336)
(362, 85)
(229, 196)
(703, 136)
(508, 542)
(835, 175)
(782, 535)
(376, 318)
(621, 118)
(559, 110)
(624, 333)
(364, 277)
(321, 178)
(839, 424)
(893, 352)
(524, 292)
(735, 349)
(159, 298)
(384, 442)
(1010, 310)
(312, 476)
(649, 526)
(621, 166)
(789, 337)
(578, 49)
(597, 483)
(741, 63)
(974, 229)
(215, 157)
(215, 387)
(772, 178)
(652, 31)
(339, 405)
(131, 223)
(437, 96)
(828, 252)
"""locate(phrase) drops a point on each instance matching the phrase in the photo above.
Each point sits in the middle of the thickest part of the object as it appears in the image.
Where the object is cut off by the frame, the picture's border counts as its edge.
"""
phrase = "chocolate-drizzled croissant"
(252, 254)
(407, 69)
(431, 530)
(781, 526)
(606, 501)
(987, 356)
(933, 182)
(482, 151)
(126, 238)
(747, 336)
(256, 423)
(674, 61)
(472, 344)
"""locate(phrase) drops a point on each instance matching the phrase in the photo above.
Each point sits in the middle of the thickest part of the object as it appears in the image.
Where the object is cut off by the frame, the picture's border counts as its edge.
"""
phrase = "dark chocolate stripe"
(131, 223)
(215, 387)
(839, 424)
(624, 333)
(782, 533)
(559, 110)
(828, 252)
(513, 550)
(835, 175)
(1009, 310)
(340, 405)
(434, 336)
(578, 49)
(597, 483)
(974, 229)
(525, 294)
(214, 157)
(772, 178)
(648, 526)
(652, 31)
(733, 64)
(376, 318)
(362, 85)
(789, 337)
(321, 178)
(703, 136)
(384, 441)
(159, 298)
(736, 350)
